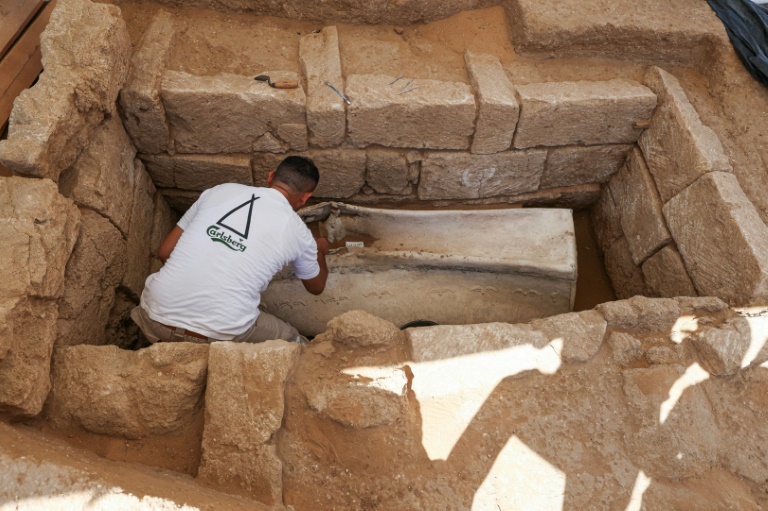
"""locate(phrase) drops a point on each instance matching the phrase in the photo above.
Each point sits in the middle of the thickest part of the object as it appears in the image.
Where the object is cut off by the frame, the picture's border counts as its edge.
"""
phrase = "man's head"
(297, 178)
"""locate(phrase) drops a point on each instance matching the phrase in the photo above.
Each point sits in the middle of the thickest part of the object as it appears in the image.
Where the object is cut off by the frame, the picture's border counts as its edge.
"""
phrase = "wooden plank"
(14, 18)
(23, 80)
(23, 49)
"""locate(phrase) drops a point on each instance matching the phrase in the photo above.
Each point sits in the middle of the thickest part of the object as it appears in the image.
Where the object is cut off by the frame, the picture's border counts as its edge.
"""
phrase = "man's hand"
(317, 285)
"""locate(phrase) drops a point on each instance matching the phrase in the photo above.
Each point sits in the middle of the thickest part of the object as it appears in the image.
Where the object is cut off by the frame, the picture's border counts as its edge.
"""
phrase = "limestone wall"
(675, 221)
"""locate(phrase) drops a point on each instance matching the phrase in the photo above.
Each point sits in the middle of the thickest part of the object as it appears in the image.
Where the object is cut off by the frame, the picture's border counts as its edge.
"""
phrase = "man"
(222, 255)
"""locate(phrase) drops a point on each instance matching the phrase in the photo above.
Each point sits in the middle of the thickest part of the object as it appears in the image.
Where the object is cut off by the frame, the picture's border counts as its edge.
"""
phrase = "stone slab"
(198, 171)
(179, 200)
(498, 109)
(163, 222)
(342, 171)
(678, 147)
(244, 408)
(143, 109)
(437, 115)
(641, 314)
(666, 275)
(468, 176)
(387, 171)
(50, 123)
(582, 113)
(581, 333)
(606, 219)
(642, 220)
(359, 329)
(626, 278)
(140, 233)
(722, 239)
(102, 173)
(568, 166)
(321, 62)
(722, 349)
(95, 268)
(228, 113)
(131, 394)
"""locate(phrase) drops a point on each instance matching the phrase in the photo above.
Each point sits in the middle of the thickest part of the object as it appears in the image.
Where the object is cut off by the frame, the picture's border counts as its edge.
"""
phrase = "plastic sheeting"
(747, 26)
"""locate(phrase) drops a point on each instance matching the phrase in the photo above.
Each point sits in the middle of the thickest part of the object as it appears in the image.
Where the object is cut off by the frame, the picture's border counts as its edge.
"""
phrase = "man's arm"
(169, 243)
(317, 285)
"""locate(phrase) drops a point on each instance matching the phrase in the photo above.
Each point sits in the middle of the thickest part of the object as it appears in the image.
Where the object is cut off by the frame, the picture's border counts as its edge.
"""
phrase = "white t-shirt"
(236, 238)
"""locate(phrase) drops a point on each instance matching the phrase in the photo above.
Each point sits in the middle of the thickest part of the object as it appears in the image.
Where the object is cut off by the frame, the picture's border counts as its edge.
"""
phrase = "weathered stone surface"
(95, 268)
(448, 341)
(359, 329)
(497, 110)
(722, 349)
(51, 122)
(387, 171)
(27, 334)
(267, 143)
(294, 136)
(676, 444)
(179, 200)
(701, 305)
(468, 176)
(321, 62)
(140, 233)
(722, 239)
(140, 98)
(626, 278)
(678, 147)
(133, 394)
(665, 274)
(568, 166)
(163, 222)
(582, 113)
(103, 173)
(228, 113)
(198, 171)
(640, 208)
(641, 314)
(625, 349)
(244, 406)
(437, 115)
(342, 171)
(606, 219)
(581, 332)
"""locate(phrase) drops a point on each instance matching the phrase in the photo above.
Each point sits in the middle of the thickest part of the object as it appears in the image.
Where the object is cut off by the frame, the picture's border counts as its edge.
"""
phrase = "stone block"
(568, 166)
(179, 200)
(722, 239)
(665, 274)
(701, 305)
(140, 98)
(95, 268)
(639, 206)
(133, 394)
(581, 332)
(199, 171)
(449, 341)
(321, 62)
(228, 113)
(387, 171)
(437, 115)
(497, 110)
(51, 122)
(625, 348)
(359, 329)
(342, 171)
(140, 233)
(293, 136)
(27, 334)
(606, 219)
(38, 230)
(582, 113)
(468, 176)
(626, 278)
(102, 173)
(163, 222)
(722, 349)
(641, 314)
(244, 406)
(678, 147)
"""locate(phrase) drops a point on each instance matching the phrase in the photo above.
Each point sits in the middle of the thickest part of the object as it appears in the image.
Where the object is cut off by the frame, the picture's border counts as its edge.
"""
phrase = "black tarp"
(747, 26)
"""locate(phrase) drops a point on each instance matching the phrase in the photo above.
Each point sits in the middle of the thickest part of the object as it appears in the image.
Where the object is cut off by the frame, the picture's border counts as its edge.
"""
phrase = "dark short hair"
(299, 173)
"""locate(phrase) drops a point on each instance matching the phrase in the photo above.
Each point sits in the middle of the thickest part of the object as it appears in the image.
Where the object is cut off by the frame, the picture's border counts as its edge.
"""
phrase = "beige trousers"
(267, 327)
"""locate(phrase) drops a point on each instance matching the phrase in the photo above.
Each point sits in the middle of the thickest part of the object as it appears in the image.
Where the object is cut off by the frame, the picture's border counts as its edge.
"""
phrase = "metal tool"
(412, 88)
(282, 84)
(337, 91)
(396, 79)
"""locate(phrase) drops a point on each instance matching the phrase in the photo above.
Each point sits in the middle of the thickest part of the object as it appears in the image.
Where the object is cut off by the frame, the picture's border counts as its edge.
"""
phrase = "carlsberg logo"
(219, 236)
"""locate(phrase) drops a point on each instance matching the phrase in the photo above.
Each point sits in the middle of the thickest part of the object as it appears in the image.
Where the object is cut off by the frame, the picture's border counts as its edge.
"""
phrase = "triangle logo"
(238, 220)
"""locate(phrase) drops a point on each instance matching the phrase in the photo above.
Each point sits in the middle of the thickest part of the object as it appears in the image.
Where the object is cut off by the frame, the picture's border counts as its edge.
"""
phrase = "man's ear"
(270, 178)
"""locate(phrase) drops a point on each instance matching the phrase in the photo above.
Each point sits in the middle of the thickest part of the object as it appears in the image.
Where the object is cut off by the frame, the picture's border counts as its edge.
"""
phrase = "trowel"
(282, 84)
